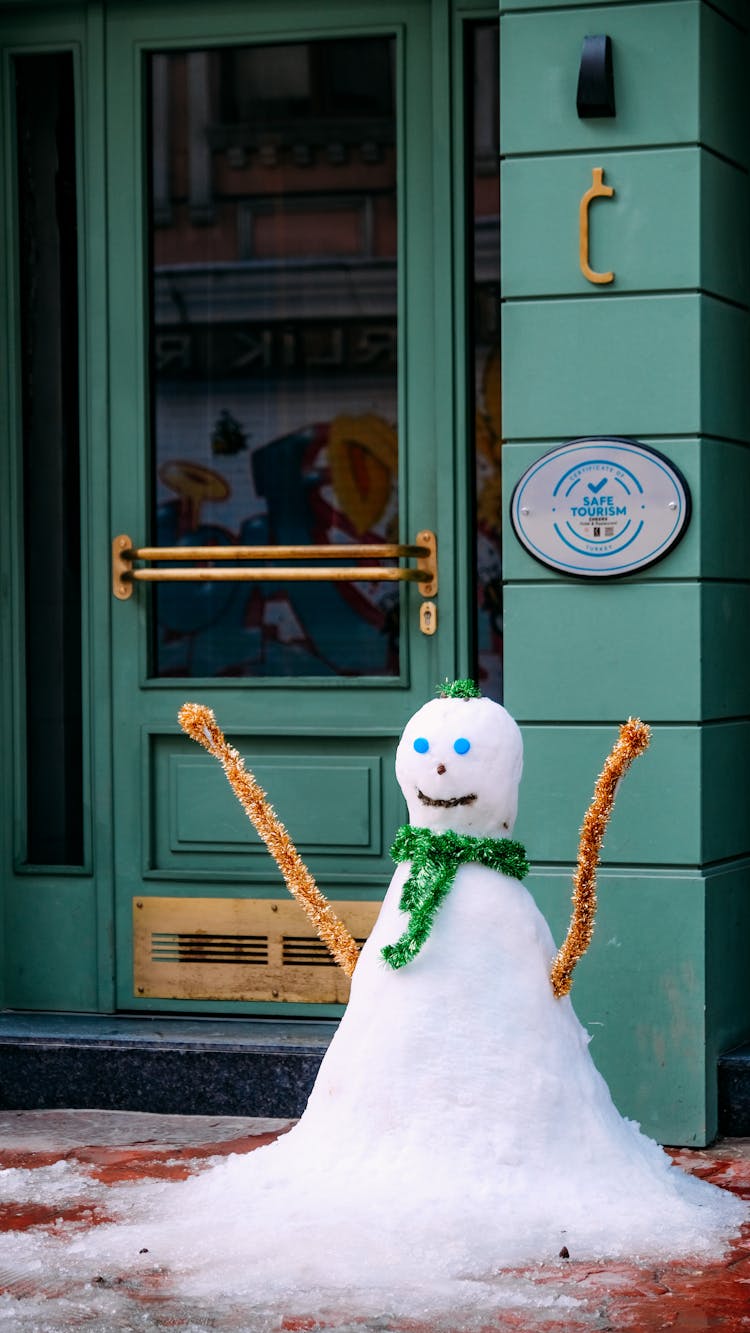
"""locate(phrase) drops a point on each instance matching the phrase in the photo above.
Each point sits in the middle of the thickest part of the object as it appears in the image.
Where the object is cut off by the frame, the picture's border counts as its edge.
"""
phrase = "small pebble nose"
(441, 768)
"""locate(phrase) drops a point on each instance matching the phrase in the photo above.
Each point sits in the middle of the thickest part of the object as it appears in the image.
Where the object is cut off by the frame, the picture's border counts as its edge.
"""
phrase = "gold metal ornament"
(596, 191)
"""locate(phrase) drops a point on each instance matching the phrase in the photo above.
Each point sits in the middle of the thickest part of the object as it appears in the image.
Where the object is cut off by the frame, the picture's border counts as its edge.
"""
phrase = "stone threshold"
(207, 1066)
(159, 1064)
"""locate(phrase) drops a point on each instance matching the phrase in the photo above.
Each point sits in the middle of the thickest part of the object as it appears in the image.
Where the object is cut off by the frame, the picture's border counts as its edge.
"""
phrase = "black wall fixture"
(596, 80)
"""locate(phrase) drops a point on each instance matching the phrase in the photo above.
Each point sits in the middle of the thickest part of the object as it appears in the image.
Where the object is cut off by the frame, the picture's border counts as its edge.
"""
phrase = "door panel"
(339, 788)
(275, 237)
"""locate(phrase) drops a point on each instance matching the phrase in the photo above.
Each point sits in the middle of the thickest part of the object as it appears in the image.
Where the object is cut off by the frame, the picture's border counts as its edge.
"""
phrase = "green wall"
(662, 354)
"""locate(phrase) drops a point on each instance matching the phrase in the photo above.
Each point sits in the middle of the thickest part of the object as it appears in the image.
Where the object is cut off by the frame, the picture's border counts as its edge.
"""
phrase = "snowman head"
(459, 763)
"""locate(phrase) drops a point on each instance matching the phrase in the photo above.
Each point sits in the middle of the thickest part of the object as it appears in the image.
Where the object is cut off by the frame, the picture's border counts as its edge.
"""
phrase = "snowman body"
(457, 1109)
(459, 1097)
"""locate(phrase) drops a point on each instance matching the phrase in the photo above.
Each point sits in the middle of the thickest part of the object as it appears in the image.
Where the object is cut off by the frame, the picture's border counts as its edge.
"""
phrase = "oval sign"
(600, 507)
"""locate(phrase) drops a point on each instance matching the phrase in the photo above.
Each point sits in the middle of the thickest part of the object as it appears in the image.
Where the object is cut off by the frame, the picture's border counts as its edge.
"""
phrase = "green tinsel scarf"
(435, 858)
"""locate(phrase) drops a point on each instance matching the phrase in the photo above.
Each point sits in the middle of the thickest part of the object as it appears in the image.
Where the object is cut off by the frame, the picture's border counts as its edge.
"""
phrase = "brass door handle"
(424, 552)
(595, 191)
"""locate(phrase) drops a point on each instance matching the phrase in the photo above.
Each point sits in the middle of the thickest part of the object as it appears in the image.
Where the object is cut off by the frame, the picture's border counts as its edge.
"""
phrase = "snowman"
(458, 1108)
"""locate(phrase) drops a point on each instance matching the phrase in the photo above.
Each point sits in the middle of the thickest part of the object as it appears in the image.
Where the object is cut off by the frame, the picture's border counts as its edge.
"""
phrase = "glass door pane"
(273, 340)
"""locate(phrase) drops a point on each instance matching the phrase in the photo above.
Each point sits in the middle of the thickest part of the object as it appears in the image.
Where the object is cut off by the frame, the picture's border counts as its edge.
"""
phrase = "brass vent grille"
(301, 950)
(238, 949)
(172, 948)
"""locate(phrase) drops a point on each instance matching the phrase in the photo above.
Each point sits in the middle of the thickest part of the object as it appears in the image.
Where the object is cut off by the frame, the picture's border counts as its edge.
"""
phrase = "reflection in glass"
(483, 190)
(273, 225)
(48, 288)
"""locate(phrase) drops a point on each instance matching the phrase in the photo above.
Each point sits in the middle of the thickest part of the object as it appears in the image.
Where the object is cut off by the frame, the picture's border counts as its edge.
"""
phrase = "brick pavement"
(108, 1148)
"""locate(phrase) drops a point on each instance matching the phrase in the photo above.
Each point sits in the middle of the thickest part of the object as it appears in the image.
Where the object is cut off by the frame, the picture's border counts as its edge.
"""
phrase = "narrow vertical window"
(483, 293)
(48, 286)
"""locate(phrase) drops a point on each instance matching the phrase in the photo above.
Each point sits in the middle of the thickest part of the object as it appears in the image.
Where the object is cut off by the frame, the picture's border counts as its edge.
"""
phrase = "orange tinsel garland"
(200, 724)
(634, 738)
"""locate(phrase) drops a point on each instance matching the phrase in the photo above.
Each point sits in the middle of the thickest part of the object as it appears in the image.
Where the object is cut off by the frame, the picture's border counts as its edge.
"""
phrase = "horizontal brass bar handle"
(424, 551)
(340, 552)
(282, 573)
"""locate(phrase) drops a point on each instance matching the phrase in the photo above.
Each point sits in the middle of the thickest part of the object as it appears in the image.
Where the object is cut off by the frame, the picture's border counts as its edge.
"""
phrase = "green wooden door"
(273, 216)
(251, 326)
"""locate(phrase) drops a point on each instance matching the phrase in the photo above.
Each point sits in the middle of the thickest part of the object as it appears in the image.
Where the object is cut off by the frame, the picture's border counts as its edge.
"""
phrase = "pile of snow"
(444, 1138)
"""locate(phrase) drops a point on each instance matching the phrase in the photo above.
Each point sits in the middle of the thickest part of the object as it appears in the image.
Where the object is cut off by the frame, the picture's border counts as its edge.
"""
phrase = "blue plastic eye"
(421, 745)
(461, 746)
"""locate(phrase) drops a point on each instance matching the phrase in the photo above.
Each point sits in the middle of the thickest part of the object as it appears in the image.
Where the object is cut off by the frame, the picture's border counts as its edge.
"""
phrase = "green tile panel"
(716, 543)
(725, 650)
(725, 788)
(588, 652)
(657, 195)
(670, 652)
(725, 382)
(724, 90)
(629, 365)
(679, 79)
(723, 506)
(657, 817)
(684, 803)
(656, 67)
(679, 219)
(641, 992)
(725, 227)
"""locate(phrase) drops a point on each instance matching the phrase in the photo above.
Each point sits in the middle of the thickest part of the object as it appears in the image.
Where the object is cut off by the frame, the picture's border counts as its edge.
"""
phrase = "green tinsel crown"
(459, 689)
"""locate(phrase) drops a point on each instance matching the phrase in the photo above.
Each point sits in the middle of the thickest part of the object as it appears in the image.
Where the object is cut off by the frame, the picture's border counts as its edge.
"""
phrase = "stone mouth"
(448, 803)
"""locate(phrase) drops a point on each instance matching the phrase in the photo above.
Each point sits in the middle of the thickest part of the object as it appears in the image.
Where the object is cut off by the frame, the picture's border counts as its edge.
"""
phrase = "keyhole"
(428, 617)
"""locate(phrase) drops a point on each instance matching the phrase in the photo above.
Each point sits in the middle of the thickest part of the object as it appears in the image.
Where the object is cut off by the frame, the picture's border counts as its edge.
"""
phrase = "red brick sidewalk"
(110, 1147)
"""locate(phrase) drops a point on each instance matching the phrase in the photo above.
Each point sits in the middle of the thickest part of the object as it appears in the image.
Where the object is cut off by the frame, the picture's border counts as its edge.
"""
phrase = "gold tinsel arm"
(634, 739)
(199, 723)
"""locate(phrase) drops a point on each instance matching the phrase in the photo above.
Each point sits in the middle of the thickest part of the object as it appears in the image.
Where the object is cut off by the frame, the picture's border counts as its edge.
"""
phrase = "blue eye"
(461, 746)
(421, 745)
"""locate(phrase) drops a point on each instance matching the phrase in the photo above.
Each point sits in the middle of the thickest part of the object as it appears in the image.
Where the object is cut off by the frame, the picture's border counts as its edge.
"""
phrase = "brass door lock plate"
(428, 617)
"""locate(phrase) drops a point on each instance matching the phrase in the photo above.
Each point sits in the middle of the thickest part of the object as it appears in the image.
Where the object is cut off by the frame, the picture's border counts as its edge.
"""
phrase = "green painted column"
(662, 354)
